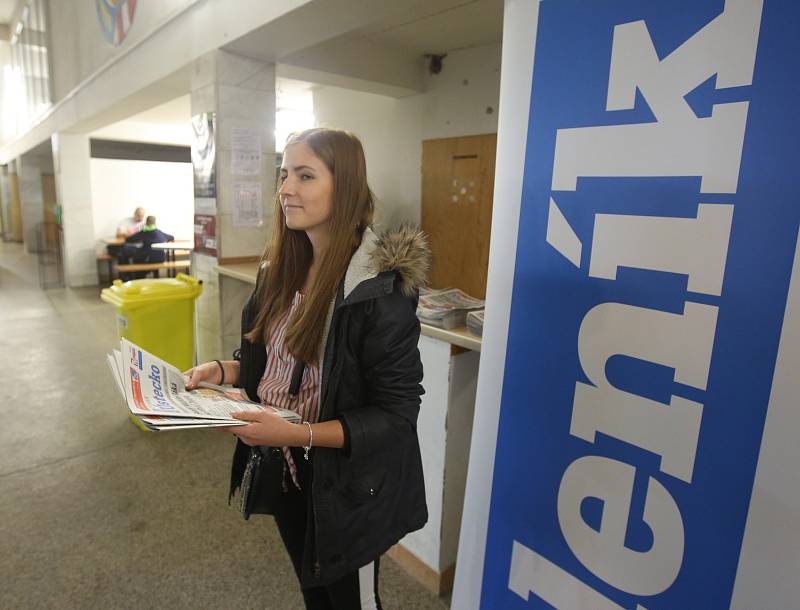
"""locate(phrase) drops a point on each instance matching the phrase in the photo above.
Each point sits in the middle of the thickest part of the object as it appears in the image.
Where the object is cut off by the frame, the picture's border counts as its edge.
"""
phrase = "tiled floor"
(95, 513)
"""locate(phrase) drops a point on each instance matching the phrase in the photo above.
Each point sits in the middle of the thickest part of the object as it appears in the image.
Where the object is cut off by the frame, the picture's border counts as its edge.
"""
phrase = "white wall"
(162, 189)
(456, 101)
(79, 46)
(391, 135)
(454, 104)
(7, 110)
(425, 543)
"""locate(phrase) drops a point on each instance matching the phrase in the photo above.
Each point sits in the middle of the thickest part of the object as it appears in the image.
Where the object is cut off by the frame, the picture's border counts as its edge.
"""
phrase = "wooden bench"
(153, 268)
(108, 260)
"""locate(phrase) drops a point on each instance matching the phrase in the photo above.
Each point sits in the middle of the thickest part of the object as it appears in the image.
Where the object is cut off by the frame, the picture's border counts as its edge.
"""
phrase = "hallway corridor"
(95, 513)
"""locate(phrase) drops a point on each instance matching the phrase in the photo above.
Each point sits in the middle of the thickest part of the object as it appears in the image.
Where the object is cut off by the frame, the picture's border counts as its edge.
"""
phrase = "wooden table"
(171, 247)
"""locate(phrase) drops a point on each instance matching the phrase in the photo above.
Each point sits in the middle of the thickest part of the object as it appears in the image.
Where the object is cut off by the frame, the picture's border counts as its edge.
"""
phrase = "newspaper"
(156, 395)
(475, 322)
(446, 308)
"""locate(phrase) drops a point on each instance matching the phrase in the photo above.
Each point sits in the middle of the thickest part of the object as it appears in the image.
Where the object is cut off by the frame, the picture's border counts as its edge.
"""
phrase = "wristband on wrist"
(221, 372)
(307, 448)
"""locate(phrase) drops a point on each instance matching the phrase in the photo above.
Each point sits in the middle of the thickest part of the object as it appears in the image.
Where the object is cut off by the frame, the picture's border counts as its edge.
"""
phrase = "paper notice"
(245, 152)
(247, 205)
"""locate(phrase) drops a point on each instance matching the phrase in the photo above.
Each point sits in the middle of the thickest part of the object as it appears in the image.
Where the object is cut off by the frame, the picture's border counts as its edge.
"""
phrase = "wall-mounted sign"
(116, 18)
(646, 445)
(204, 164)
(205, 234)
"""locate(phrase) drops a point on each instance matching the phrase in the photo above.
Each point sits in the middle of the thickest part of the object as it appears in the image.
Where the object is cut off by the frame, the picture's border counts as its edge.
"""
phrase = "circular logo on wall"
(116, 17)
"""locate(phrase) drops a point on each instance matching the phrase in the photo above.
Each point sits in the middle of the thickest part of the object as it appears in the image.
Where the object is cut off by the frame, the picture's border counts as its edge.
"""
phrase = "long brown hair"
(290, 252)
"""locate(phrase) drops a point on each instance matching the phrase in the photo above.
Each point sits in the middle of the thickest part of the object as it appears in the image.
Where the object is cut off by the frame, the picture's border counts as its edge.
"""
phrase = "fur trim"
(406, 252)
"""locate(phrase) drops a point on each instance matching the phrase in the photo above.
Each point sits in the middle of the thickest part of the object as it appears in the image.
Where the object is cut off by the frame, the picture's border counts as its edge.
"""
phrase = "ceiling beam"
(357, 63)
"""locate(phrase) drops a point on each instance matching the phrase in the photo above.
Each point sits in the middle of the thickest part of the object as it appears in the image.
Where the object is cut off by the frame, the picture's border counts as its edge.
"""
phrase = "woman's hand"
(268, 428)
(208, 372)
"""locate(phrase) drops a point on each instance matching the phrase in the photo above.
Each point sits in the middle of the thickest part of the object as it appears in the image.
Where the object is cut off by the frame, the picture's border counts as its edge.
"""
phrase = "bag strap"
(297, 378)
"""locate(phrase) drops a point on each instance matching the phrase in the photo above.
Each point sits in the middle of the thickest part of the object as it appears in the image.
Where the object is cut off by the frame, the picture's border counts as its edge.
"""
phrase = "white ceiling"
(471, 23)
(168, 123)
(382, 45)
(7, 8)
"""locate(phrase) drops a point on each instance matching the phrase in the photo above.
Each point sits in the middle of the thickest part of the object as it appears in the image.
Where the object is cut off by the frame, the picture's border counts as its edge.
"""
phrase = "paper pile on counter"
(475, 323)
(156, 395)
(446, 308)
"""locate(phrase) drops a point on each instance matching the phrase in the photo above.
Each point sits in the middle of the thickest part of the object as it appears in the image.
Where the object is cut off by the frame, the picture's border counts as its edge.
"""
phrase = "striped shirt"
(273, 389)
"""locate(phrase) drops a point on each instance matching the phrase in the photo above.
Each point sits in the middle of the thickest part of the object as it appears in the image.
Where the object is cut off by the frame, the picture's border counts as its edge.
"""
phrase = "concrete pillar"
(74, 191)
(241, 91)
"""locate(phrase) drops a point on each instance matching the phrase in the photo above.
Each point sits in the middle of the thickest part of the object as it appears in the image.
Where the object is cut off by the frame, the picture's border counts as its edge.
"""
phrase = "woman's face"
(306, 191)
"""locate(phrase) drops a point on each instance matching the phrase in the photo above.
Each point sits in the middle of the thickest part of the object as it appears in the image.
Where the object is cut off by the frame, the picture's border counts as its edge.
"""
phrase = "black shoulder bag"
(262, 481)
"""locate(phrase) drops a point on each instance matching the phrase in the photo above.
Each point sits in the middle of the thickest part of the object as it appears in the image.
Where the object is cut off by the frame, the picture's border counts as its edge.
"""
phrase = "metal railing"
(49, 238)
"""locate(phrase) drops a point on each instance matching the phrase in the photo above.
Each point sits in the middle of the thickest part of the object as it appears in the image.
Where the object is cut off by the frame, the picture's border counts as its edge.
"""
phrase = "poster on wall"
(205, 183)
(205, 234)
(203, 155)
(646, 431)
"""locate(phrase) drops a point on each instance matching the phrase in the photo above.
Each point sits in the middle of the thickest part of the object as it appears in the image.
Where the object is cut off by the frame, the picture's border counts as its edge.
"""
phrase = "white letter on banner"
(679, 144)
(604, 552)
(694, 247)
(682, 342)
(726, 47)
(532, 573)
(711, 148)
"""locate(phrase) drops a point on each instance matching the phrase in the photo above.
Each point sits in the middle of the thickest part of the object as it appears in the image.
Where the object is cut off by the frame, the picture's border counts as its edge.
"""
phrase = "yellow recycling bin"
(158, 315)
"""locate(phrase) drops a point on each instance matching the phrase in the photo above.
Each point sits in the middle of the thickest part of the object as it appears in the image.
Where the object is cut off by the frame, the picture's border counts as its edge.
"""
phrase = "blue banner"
(657, 231)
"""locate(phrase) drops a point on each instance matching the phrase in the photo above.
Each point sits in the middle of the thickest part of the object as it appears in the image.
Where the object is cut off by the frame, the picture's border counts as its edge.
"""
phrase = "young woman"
(341, 301)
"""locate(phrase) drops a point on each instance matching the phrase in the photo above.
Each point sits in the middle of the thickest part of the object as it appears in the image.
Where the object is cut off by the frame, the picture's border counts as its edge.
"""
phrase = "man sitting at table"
(149, 235)
(127, 226)
(132, 225)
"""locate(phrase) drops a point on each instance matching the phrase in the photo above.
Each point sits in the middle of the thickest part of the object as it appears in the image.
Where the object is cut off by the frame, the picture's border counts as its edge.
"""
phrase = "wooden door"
(16, 207)
(457, 189)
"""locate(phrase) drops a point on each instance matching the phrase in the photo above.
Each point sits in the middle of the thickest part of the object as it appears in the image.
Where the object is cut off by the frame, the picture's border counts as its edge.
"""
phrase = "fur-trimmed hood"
(404, 251)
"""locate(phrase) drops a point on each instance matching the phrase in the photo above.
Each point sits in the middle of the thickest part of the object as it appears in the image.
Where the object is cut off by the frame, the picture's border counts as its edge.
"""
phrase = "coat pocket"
(365, 487)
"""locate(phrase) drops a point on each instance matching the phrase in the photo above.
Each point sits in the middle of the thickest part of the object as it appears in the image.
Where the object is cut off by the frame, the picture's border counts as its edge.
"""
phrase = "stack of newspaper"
(475, 323)
(157, 397)
(446, 308)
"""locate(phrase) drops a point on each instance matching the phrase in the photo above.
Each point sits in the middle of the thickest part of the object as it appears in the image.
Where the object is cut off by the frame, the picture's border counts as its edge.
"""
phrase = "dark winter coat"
(146, 254)
(367, 498)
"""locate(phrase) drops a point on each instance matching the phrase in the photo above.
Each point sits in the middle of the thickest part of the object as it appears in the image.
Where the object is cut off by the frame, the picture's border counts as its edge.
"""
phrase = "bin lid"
(147, 291)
